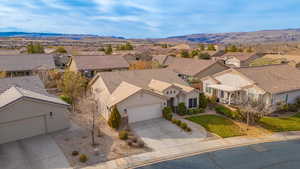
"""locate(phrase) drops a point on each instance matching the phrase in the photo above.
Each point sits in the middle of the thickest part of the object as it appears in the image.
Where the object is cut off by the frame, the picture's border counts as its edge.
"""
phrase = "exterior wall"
(73, 66)
(233, 79)
(172, 92)
(191, 95)
(213, 69)
(102, 96)
(287, 97)
(233, 61)
(138, 100)
(206, 90)
(28, 108)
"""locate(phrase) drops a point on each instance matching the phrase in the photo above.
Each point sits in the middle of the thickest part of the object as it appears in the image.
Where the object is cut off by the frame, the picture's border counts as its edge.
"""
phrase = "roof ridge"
(279, 64)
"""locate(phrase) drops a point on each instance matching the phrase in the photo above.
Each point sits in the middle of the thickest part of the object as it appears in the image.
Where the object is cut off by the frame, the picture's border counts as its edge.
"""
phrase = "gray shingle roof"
(23, 62)
(274, 78)
(94, 62)
(140, 78)
(32, 83)
(14, 93)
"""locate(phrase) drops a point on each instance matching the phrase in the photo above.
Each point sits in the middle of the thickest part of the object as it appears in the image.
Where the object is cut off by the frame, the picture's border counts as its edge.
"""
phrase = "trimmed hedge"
(195, 111)
(167, 113)
(228, 112)
(181, 109)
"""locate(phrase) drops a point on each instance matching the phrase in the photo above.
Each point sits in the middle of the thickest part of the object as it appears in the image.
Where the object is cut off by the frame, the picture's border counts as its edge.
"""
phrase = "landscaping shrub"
(183, 126)
(178, 122)
(114, 119)
(75, 153)
(174, 121)
(195, 111)
(227, 112)
(188, 129)
(167, 113)
(292, 107)
(123, 135)
(212, 102)
(181, 109)
(83, 158)
(202, 101)
(65, 98)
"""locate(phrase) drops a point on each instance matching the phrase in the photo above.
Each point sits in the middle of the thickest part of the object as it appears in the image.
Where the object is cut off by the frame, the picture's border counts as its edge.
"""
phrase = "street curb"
(174, 157)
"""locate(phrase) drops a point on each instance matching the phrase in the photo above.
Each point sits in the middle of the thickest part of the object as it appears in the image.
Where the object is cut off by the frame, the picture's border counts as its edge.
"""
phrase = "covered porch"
(227, 94)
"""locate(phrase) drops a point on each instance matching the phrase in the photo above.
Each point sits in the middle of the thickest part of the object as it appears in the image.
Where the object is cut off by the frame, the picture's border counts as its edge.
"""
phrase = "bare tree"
(252, 111)
(89, 105)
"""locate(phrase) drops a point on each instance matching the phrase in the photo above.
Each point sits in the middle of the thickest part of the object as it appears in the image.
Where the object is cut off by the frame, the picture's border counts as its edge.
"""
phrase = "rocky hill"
(265, 36)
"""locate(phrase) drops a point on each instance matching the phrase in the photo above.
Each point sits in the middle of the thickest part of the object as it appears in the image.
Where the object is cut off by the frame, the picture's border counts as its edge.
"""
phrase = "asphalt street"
(276, 155)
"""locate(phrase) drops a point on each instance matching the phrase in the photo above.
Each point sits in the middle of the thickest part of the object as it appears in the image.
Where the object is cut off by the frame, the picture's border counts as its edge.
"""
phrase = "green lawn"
(218, 125)
(277, 124)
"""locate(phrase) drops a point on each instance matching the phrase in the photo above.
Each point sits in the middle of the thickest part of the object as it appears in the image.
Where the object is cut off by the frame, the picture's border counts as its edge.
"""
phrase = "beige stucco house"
(269, 85)
(90, 65)
(141, 94)
(29, 110)
(238, 59)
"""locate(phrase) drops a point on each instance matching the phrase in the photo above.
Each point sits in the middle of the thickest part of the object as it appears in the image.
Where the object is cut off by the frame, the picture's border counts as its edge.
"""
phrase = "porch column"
(229, 102)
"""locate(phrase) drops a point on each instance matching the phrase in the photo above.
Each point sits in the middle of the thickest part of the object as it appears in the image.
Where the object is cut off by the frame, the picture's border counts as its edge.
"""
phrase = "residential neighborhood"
(149, 85)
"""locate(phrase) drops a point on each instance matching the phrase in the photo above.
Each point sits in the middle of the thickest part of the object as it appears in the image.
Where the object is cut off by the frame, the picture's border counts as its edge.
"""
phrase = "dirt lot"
(78, 138)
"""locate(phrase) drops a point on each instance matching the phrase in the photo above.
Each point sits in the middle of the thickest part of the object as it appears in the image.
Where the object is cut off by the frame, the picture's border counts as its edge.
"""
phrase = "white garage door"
(144, 113)
(22, 129)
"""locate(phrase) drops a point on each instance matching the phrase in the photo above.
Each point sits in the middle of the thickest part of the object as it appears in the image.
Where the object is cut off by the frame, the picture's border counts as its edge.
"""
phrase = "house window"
(222, 94)
(286, 98)
(51, 114)
(192, 102)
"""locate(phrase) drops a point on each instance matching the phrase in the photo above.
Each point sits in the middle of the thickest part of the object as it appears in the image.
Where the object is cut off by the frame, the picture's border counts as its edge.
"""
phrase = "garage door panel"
(144, 113)
(22, 129)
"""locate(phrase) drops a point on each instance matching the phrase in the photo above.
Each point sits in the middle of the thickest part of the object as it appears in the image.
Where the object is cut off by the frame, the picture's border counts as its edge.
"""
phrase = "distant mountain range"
(48, 35)
(265, 36)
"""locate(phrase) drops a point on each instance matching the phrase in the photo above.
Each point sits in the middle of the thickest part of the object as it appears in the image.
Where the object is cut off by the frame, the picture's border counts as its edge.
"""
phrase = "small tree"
(184, 54)
(249, 50)
(205, 56)
(72, 85)
(194, 53)
(108, 50)
(35, 48)
(202, 47)
(3, 74)
(202, 101)
(211, 47)
(114, 120)
(61, 50)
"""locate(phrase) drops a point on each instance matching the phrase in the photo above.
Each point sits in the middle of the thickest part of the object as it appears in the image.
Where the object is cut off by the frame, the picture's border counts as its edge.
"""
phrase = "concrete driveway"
(160, 133)
(40, 152)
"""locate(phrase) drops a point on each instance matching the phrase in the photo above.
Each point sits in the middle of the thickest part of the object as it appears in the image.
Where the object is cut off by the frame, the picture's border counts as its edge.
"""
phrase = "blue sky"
(147, 18)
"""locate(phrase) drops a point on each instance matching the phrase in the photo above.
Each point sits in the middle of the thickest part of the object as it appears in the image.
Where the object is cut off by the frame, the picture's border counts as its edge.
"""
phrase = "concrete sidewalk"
(191, 149)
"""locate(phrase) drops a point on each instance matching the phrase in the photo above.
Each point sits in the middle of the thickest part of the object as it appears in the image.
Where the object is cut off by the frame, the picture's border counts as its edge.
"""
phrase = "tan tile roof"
(242, 56)
(274, 78)
(93, 62)
(122, 92)
(140, 78)
(189, 67)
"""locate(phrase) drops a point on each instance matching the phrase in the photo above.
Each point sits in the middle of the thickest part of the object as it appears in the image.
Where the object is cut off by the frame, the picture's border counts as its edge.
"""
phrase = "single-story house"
(141, 94)
(27, 110)
(89, 65)
(268, 85)
(195, 68)
(163, 60)
(25, 64)
(239, 59)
